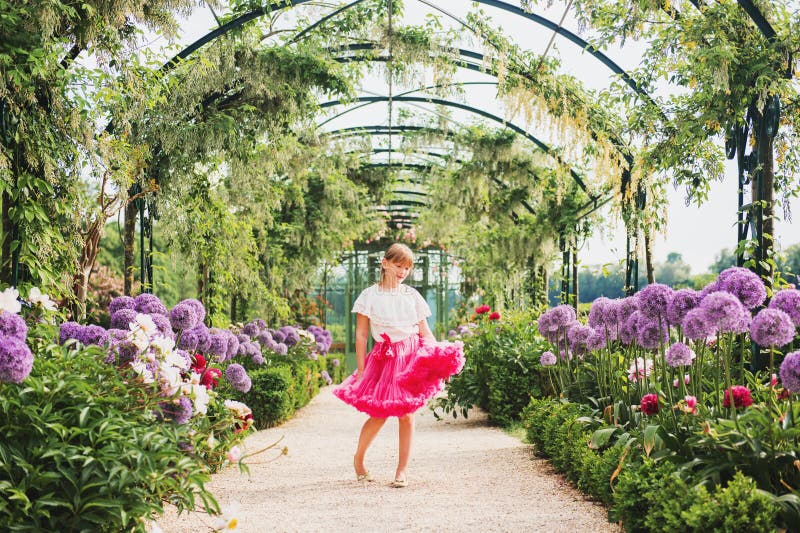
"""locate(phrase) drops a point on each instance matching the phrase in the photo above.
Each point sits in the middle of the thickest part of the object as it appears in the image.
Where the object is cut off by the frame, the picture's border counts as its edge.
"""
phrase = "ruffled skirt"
(401, 377)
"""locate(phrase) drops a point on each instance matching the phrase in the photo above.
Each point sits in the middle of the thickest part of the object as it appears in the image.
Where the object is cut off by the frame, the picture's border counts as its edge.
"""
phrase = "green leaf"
(601, 437)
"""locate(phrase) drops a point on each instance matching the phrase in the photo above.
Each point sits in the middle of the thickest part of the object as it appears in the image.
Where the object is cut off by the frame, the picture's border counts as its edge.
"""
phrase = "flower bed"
(697, 385)
(98, 430)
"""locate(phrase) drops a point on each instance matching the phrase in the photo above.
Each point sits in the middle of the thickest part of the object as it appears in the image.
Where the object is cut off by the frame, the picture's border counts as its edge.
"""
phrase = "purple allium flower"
(182, 317)
(16, 359)
(743, 284)
(243, 338)
(790, 372)
(199, 308)
(260, 323)
(253, 348)
(651, 333)
(235, 373)
(125, 351)
(628, 329)
(94, 336)
(326, 377)
(708, 289)
(188, 340)
(279, 336)
(13, 325)
(242, 350)
(335, 362)
(179, 410)
(281, 349)
(696, 325)
(598, 313)
(772, 327)
(264, 338)
(218, 344)
(725, 312)
(116, 335)
(578, 335)
(683, 301)
(244, 385)
(163, 325)
(251, 329)
(257, 359)
(626, 307)
(121, 302)
(679, 355)
(123, 318)
(233, 345)
(68, 330)
(150, 304)
(202, 335)
(788, 301)
(653, 301)
(322, 347)
(597, 340)
(547, 359)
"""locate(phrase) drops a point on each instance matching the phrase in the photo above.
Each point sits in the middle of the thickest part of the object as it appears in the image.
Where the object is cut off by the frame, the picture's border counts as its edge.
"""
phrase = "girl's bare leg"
(406, 426)
(369, 431)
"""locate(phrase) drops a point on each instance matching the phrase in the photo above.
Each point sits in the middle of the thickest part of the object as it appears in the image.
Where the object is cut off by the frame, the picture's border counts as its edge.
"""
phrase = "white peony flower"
(238, 408)
(144, 323)
(170, 378)
(37, 298)
(141, 368)
(139, 338)
(229, 519)
(9, 302)
(201, 398)
(164, 345)
(176, 360)
(234, 454)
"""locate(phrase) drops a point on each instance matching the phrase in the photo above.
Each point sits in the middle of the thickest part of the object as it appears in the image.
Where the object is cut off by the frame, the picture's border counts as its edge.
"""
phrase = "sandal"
(365, 477)
(399, 483)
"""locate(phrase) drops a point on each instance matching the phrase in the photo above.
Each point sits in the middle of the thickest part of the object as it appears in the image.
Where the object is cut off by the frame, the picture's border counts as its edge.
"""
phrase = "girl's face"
(395, 270)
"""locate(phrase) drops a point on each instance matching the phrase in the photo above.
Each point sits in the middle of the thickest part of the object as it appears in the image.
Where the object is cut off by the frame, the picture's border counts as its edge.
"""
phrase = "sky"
(697, 233)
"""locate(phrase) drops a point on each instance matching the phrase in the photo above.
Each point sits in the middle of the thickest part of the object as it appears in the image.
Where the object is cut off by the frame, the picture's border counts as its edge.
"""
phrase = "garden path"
(464, 476)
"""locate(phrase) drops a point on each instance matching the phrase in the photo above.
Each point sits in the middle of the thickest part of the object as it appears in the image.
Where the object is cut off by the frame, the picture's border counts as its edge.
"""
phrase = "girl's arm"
(362, 333)
(425, 331)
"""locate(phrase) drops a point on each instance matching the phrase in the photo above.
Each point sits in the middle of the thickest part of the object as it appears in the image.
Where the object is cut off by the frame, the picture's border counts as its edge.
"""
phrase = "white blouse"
(396, 312)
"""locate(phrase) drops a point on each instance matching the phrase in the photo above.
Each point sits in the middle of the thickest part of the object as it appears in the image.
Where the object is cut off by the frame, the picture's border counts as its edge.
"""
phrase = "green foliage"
(283, 385)
(502, 371)
(81, 450)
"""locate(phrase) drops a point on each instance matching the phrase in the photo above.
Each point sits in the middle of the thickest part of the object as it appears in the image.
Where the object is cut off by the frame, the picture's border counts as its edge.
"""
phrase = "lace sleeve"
(361, 305)
(423, 309)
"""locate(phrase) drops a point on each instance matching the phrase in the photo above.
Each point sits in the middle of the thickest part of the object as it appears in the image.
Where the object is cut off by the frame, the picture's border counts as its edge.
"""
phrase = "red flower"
(481, 309)
(494, 316)
(650, 404)
(198, 363)
(741, 397)
(210, 378)
(243, 424)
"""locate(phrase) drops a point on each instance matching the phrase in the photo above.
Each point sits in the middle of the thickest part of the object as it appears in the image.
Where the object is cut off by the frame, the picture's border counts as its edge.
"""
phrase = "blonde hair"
(399, 254)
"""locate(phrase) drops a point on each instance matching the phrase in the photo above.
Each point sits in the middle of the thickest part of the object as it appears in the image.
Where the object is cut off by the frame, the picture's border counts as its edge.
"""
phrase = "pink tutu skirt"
(400, 377)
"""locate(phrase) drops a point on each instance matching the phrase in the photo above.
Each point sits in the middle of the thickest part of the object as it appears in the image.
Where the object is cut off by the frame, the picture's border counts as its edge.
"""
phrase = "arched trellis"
(275, 6)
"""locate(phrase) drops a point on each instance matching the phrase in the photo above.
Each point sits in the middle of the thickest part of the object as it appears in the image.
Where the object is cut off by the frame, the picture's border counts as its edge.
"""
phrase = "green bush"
(80, 450)
(269, 397)
(502, 372)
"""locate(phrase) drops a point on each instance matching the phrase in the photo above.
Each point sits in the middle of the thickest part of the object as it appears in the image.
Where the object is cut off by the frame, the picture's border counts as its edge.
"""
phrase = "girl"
(405, 368)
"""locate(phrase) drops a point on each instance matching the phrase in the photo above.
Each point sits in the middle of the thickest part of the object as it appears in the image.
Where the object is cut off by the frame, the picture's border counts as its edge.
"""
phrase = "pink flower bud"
(234, 454)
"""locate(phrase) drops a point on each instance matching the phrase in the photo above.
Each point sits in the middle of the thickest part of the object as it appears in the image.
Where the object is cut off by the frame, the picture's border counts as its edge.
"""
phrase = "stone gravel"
(464, 475)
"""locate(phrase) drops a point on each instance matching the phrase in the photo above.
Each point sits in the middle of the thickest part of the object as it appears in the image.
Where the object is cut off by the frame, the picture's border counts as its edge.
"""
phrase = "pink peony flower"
(649, 404)
(234, 454)
(691, 404)
(741, 397)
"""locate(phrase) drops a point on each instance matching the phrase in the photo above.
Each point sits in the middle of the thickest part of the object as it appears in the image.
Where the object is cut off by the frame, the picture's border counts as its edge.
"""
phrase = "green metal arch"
(447, 103)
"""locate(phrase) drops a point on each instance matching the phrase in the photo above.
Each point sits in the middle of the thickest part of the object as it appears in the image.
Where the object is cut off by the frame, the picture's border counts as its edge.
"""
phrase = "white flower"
(141, 368)
(9, 302)
(201, 398)
(144, 323)
(212, 442)
(139, 338)
(164, 345)
(176, 360)
(306, 334)
(234, 454)
(37, 298)
(170, 378)
(229, 519)
(238, 408)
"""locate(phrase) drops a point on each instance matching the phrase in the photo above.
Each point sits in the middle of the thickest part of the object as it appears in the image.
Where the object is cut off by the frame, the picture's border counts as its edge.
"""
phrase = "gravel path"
(464, 476)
